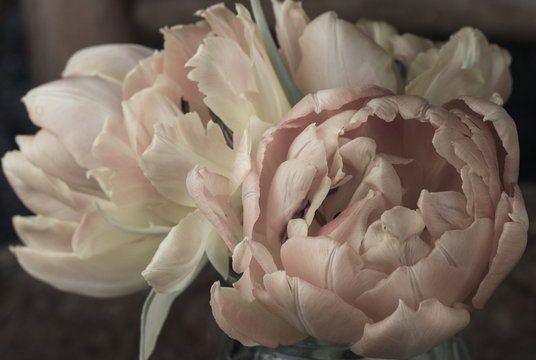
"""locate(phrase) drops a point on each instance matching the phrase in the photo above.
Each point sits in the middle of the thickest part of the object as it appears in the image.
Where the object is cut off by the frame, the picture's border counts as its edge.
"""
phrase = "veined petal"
(310, 308)
(43, 194)
(512, 242)
(335, 54)
(110, 274)
(177, 148)
(41, 232)
(75, 110)
(249, 322)
(45, 151)
(406, 333)
(111, 62)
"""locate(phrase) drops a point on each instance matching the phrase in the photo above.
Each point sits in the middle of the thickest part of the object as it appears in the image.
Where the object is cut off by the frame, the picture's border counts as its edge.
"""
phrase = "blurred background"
(36, 39)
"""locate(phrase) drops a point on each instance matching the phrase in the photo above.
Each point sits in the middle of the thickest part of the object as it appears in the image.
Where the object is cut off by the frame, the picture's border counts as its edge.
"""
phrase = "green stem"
(292, 92)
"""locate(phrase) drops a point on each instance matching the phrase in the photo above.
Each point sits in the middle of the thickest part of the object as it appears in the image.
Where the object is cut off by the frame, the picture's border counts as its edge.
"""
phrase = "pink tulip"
(369, 219)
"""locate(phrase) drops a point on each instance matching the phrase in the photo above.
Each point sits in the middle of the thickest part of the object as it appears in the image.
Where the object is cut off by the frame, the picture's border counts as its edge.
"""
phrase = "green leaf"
(153, 316)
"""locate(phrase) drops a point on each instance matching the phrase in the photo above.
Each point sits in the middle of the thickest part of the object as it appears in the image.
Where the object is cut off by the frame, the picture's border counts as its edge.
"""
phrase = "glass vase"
(312, 349)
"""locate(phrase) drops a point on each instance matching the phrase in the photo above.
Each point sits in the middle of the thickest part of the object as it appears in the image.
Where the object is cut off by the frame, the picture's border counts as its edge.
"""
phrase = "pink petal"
(75, 110)
(210, 193)
(318, 312)
(406, 333)
(249, 322)
(335, 54)
(111, 62)
(46, 152)
(443, 211)
(110, 274)
(143, 75)
(288, 192)
(512, 242)
(43, 194)
(180, 44)
(449, 273)
(291, 21)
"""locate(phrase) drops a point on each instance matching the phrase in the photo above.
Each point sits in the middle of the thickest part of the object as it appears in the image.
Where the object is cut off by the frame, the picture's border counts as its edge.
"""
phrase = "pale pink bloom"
(68, 244)
(97, 122)
(369, 219)
(328, 52)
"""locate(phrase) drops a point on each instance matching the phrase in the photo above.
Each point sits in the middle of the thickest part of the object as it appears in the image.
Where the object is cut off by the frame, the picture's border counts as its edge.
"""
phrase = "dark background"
(39, 322)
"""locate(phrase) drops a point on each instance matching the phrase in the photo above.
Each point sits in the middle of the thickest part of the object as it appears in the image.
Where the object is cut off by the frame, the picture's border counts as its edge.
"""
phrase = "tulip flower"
(369, 219)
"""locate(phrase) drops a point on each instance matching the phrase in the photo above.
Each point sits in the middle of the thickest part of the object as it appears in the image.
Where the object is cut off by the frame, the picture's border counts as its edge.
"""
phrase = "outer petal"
(110, 274)
(75, 110)
(249, 322)
(43, 194)
(318, 312)
(45, 151)
(512, 242)
(111, 62)
(40, 232)
(407, 333)
(335, 54)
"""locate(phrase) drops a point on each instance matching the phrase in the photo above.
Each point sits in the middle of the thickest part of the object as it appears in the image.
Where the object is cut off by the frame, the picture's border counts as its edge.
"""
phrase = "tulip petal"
(40, 232)
(110, 274)
(511, 244)
(249, 322)
(75, 110)
(46, 152)
(111, 62)
(407, 333)
(210, 192)
(290, 22)
(330, 49)
(176, 149)
(443, 211)
(43, 194)
(180, 254)
(315, 311)
(288, 194)
(449, 273)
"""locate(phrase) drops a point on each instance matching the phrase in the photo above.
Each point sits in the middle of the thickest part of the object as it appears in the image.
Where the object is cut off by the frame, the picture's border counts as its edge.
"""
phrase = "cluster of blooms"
(376, 212)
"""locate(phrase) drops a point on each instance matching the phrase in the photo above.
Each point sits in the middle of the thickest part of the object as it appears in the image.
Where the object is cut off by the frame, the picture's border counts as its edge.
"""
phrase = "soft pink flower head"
(369, 219)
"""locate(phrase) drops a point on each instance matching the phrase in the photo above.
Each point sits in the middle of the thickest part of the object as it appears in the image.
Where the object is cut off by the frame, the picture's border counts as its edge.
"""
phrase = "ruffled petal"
(177, 148)
(408, 332)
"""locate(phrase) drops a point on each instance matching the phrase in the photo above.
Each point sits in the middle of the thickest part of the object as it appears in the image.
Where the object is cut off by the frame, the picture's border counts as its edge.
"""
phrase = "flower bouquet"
(352, 186)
